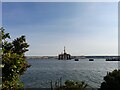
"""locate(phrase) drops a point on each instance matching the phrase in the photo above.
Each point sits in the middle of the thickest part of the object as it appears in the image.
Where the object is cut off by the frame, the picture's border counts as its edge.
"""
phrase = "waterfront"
(43, 71)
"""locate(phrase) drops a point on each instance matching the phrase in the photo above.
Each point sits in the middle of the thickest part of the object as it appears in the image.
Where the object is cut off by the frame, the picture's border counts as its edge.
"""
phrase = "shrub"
(14, 61)
(111, 81)
(73, 85)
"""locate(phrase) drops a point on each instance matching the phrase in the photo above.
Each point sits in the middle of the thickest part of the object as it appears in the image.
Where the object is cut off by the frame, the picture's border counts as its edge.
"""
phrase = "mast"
(64, 49)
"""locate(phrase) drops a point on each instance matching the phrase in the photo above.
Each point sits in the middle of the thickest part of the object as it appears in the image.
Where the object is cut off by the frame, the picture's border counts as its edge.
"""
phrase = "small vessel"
(113, 59)
(91, 59)
(76, 59)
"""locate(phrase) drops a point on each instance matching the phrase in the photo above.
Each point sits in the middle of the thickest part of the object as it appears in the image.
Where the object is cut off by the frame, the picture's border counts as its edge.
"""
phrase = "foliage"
(73, 85)
(112, 81)
(14, 61)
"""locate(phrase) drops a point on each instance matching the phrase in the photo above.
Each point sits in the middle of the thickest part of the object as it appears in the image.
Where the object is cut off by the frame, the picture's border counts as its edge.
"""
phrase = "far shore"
(79, 57)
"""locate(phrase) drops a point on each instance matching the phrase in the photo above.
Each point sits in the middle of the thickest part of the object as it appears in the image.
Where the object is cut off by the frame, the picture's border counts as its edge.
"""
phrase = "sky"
(0, 14)
(60, 0)
(84, 28)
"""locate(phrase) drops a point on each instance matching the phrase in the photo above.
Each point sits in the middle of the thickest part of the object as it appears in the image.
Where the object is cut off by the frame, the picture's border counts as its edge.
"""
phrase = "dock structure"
(64, 55)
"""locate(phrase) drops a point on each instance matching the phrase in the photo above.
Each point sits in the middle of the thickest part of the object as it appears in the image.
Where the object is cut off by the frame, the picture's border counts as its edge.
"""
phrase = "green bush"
(111, 81)
(73, 85)
(14, 61)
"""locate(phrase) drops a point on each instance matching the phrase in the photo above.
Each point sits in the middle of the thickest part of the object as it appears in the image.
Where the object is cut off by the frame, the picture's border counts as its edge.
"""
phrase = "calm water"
(42, 72)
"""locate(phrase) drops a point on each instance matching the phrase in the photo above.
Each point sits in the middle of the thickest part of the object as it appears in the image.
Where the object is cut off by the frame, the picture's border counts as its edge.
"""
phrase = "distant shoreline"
(79, 57)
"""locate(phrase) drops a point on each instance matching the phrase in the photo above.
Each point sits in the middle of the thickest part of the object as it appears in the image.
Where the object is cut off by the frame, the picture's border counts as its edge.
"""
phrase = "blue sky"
(0, 14)
(85, 28)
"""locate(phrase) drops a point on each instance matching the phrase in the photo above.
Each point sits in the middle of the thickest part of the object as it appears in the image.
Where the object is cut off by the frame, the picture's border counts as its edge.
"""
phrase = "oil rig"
(64, 55)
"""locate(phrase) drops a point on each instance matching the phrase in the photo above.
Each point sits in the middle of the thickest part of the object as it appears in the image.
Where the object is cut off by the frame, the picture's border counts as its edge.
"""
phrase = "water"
(42, 72)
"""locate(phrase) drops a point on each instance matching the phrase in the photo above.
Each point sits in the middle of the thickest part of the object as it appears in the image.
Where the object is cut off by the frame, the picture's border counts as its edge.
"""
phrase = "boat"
(113, 59)
(91, 59)
(76, 59)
